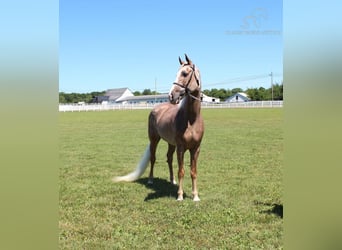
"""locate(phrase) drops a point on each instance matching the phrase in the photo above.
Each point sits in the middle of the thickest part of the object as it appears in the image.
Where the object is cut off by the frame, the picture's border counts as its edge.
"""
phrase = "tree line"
(79, 97)
(255, 94)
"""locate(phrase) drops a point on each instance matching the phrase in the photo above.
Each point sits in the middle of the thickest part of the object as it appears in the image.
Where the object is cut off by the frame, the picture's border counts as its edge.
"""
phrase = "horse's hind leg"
(153, 148)
(154, 139)
(170, 152)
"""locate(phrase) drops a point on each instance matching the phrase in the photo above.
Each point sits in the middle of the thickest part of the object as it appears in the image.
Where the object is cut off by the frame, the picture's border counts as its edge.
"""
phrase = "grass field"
(239, 180)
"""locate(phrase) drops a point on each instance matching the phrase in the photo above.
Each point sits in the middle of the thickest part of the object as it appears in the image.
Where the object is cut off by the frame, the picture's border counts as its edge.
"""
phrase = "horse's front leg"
(193, 172)
(180, 158)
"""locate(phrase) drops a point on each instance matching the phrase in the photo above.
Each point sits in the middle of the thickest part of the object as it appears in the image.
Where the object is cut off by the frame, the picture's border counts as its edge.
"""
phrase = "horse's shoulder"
(162, 108)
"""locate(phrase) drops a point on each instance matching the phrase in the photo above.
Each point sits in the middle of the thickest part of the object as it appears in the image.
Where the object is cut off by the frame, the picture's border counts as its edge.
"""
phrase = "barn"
(210, 99)
(118, 95)
(113, 96)
(238, 97)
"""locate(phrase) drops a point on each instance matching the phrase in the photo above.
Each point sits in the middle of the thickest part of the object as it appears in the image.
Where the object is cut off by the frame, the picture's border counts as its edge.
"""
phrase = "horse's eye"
(184, 73)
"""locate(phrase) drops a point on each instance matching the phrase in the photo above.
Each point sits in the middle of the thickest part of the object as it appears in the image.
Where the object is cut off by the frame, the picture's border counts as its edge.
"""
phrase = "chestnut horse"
(180, 124)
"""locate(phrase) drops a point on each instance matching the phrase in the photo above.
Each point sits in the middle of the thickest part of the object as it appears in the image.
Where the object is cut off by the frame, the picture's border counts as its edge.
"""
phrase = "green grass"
(239, 179)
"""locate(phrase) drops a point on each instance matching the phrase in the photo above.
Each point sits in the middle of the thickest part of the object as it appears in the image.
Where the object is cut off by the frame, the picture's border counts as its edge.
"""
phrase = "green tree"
(147, 92)
(206, 92)
(229, 93)
(236, 90)
(277, 92)
(222, 94)
(253, 94)
(78, 97)
(62, 98)
(264, 94)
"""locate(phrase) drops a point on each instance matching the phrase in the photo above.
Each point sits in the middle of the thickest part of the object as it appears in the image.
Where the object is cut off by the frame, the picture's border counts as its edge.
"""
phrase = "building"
(238, 97)
(145, 99)
(113, 96)
(118, 95)
(210, 99)
(125, 96)
(100, 99)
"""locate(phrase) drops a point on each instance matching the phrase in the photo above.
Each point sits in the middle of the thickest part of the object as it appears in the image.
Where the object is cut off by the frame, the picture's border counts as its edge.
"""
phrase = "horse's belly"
(167, 135)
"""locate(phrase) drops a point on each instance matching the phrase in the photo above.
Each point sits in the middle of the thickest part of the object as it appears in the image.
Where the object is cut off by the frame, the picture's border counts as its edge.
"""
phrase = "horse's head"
(188, 81)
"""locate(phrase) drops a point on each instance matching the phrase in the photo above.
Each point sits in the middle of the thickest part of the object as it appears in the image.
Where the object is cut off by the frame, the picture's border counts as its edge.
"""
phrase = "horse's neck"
(192, 108)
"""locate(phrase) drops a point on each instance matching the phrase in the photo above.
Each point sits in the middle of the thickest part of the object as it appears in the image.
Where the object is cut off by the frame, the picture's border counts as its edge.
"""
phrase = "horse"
(179, 122)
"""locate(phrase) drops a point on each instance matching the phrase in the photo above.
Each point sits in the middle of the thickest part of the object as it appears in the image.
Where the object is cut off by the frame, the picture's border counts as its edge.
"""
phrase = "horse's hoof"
(150, 181)
(180, 198)
(196, 198)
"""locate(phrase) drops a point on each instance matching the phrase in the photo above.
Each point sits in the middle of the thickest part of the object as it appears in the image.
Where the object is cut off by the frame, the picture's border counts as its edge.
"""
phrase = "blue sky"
(113, 44)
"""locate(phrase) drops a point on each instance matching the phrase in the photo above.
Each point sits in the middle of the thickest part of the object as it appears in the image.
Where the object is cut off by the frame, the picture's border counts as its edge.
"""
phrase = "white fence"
(256, 104)
(100, 107)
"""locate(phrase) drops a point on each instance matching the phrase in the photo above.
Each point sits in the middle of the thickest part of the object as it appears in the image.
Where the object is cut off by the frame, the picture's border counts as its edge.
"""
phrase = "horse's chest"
(192, 134)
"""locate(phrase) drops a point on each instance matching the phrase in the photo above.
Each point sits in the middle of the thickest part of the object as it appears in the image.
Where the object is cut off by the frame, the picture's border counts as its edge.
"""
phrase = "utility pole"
(155, 90)
(271, 75)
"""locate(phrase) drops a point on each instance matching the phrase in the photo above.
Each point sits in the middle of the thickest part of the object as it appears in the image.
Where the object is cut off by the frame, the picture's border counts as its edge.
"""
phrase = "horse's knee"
(181, 173)
(193, 173)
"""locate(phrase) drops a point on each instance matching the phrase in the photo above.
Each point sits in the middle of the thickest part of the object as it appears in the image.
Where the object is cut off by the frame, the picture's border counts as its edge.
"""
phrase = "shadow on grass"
(276, 209)
(160, 187)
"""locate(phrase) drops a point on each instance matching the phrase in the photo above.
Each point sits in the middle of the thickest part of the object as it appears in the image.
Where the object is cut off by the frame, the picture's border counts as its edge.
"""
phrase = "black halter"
(187, 90)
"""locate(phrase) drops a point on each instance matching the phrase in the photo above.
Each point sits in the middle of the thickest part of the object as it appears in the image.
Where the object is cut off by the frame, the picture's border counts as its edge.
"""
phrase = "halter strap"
(187, 90)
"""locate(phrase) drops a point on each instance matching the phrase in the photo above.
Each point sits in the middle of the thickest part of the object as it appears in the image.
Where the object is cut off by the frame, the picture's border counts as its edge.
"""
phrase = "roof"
(242, 95)
(115, 93)
(145, 97)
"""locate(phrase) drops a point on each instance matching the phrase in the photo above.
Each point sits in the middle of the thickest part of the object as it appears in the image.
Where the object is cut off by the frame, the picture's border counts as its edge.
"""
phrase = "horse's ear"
(187, 59)
(197, 75)
(180, 61)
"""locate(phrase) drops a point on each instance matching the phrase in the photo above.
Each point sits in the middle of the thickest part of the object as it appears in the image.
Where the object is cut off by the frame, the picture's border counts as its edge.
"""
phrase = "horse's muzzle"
(172, 99)
(176, 96)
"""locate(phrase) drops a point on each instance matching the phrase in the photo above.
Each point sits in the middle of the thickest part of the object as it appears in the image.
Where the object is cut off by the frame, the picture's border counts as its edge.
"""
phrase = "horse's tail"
(139, 170)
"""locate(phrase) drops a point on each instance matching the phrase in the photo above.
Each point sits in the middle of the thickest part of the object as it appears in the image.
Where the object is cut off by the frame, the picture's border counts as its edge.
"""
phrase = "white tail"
(139, 170)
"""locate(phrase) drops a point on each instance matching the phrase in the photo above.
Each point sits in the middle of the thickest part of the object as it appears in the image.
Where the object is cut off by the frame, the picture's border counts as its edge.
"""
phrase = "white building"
(145, 99)
(238, 97)
(117, 95)
(125, 96)
(210, 99)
